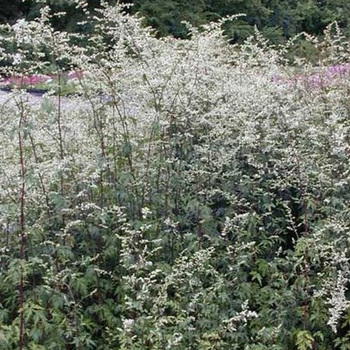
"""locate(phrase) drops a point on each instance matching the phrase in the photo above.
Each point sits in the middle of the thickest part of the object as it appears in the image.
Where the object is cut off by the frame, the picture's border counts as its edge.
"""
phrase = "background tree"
(277, 19)
(10, 10)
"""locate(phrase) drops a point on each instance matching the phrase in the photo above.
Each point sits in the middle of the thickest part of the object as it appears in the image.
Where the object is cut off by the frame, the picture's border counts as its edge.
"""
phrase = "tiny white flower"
(145, 212)
(128, 323)
(17, 59)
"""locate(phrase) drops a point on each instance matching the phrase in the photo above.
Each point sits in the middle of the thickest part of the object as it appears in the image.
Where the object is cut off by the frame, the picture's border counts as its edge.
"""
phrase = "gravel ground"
(71, 103)
(36, 99)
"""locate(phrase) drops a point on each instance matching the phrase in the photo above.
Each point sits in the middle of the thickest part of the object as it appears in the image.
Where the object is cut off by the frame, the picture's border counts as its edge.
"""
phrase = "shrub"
(186, 199)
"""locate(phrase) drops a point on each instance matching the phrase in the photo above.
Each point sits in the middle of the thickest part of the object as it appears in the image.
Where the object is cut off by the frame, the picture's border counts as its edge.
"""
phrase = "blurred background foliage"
(278, 20)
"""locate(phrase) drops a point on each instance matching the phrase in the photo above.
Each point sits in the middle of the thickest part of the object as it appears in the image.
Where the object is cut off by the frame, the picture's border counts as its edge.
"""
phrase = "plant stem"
(22, 194)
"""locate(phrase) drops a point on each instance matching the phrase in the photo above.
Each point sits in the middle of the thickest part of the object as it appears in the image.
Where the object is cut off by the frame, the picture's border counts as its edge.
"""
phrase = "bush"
(194, 195)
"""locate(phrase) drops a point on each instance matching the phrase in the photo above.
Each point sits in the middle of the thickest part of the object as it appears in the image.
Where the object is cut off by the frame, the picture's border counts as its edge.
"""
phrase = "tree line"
(278, 20)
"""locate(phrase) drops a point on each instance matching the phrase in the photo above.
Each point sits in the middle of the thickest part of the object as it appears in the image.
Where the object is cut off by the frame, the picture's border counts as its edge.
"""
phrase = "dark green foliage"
(278, 20)
(166, 16)
(10, 10)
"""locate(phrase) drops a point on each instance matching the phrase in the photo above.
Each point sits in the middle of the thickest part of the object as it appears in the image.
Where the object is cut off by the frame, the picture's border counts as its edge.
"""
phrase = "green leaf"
(304, 340)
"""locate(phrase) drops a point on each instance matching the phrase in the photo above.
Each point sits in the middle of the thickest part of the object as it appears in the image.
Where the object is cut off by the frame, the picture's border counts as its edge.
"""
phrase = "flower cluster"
(181, 199)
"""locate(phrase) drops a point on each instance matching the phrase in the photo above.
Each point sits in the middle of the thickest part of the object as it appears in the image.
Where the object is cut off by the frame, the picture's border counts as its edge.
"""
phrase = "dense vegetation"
(278, 19)
(193, 195)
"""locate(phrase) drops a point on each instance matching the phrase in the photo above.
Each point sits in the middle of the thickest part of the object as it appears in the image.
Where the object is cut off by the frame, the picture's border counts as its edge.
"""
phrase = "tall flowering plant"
(183, 199)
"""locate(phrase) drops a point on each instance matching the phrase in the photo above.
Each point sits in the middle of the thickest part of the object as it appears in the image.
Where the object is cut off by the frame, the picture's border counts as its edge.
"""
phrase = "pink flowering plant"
(43, 83)
(322, 78)
(32, 80)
